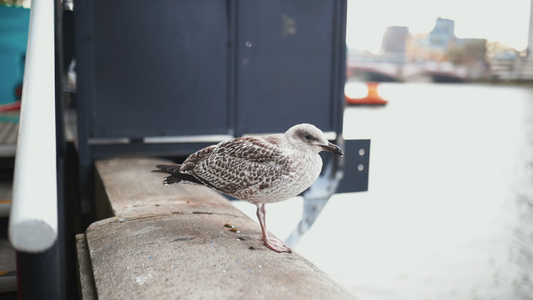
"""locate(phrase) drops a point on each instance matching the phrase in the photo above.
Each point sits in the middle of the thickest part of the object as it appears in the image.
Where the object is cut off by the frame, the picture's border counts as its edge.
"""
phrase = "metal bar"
(38, 273)
(33, 221)
(339, 66)
(315, 199)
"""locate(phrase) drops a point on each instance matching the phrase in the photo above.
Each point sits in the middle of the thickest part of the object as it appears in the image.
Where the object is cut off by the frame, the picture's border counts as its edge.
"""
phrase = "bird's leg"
(261, 217)
(273, 244)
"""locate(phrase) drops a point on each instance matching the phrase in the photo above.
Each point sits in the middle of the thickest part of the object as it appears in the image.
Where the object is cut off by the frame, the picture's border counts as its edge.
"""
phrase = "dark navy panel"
(160, 68)
(203, 67)
(288, 64)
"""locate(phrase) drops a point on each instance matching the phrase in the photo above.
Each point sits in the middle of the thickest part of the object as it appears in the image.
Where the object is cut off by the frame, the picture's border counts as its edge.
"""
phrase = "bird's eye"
(307, 136)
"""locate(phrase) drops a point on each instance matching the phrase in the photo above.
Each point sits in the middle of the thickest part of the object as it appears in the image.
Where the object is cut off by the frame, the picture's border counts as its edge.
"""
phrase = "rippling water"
(449, 211)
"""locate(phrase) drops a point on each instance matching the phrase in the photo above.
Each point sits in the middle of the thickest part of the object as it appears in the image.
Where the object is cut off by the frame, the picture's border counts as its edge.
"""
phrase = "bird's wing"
(251, 149)
(194, 159)
(237, 164)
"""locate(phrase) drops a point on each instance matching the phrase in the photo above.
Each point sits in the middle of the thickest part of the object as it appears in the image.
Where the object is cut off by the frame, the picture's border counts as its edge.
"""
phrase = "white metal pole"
(33, 218)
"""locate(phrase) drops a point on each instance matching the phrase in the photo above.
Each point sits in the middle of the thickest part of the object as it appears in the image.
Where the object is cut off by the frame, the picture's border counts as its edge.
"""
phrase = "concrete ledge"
(127, 189)
(86, 280)
(170, 242)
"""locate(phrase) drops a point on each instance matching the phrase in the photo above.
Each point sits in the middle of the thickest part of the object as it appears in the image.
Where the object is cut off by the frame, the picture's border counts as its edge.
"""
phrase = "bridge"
(389, 70)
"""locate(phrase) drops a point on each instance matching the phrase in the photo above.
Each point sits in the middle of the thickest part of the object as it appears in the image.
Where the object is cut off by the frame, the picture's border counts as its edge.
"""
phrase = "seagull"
(257, 169)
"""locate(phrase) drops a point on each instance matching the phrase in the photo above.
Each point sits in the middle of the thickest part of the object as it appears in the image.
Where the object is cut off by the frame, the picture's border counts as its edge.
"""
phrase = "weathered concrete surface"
(86, 280)
(133, 191)
(181, 249)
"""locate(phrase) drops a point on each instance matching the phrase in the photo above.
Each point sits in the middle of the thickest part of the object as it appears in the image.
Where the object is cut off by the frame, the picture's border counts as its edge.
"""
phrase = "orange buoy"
(371, 98)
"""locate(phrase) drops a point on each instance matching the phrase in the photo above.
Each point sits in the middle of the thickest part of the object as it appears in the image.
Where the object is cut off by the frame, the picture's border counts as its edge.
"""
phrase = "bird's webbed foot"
(277, 245)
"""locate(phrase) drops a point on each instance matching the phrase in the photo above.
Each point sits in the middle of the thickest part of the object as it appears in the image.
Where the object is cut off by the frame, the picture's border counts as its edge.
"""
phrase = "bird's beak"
(333, 149)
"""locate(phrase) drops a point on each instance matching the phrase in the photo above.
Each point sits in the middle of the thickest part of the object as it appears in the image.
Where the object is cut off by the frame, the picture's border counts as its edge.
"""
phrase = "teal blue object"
(9, 119)
(14, 23)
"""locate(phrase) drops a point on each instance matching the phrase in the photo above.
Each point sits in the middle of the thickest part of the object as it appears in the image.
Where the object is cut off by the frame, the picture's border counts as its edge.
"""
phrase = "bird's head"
(308, 137)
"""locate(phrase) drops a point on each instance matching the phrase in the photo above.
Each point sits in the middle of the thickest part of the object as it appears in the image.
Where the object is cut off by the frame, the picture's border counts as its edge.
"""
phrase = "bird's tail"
(175, 175)
(173, 170)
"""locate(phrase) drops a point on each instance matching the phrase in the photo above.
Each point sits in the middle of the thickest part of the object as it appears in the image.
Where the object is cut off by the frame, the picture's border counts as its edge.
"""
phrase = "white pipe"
(33, 219)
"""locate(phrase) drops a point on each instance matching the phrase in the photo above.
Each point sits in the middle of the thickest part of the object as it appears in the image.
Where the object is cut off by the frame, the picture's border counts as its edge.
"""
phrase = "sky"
(504, 21)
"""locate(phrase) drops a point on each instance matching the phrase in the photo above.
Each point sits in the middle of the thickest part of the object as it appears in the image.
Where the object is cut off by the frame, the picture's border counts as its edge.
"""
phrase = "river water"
(449, 211)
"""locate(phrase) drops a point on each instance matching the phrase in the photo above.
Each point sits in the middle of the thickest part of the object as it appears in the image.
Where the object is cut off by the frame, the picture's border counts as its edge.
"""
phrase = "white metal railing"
(33, 218)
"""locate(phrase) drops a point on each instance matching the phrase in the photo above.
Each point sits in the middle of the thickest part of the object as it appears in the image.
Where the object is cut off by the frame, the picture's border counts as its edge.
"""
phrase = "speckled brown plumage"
(259, 170)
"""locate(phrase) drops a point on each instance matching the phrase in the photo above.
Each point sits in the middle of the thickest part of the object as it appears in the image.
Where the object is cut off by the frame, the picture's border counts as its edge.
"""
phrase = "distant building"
(393, 44)
(510, 64)
(394, 39)
(441, 45)
(438, 54)
(433, 46)
(524, 65)
(443, 34)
